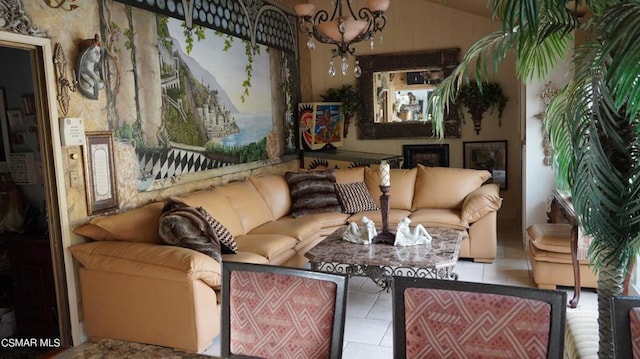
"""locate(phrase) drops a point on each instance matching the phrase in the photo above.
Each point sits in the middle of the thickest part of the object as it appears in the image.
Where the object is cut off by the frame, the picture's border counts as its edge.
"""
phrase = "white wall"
(539, 180)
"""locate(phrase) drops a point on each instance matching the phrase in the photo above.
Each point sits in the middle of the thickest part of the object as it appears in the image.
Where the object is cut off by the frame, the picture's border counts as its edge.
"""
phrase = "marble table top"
(443, 251)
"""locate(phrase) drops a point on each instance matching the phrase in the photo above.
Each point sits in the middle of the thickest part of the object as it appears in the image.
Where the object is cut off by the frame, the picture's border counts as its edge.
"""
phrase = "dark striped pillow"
(312, 192)
(355, 197)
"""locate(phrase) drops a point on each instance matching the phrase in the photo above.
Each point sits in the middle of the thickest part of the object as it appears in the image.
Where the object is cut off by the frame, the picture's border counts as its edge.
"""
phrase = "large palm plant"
(594, 121)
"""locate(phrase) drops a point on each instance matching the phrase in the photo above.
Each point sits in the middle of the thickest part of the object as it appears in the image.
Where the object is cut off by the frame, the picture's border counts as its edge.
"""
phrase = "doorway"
(34, 249)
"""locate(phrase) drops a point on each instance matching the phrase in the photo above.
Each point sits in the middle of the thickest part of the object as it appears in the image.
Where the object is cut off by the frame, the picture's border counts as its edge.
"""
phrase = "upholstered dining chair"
(435, 318)
(281, 312)
(625, 319)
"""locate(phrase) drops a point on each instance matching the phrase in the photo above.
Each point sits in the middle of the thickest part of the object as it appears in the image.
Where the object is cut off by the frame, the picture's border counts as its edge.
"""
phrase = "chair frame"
(557, 300)
(341, 281)
(620, 307)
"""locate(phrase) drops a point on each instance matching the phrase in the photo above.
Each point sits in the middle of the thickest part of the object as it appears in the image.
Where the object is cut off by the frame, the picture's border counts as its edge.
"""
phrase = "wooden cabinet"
(33, 297)
(348, 159)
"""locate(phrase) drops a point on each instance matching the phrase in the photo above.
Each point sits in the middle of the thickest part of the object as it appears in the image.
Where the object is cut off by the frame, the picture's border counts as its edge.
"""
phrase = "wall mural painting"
(190, 97)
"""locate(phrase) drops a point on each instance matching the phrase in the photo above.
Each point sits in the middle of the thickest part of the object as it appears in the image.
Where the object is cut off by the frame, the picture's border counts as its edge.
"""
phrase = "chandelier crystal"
(342, 29)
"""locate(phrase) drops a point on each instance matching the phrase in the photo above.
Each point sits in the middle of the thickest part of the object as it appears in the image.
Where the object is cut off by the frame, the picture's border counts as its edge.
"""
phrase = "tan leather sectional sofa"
(134, 288)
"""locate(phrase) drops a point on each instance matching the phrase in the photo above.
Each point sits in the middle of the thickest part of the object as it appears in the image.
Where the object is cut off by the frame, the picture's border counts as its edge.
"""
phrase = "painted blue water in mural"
(253, 128)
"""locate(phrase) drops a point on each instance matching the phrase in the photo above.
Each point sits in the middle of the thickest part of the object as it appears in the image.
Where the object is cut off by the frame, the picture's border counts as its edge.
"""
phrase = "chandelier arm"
(322, 16)
(353, 15)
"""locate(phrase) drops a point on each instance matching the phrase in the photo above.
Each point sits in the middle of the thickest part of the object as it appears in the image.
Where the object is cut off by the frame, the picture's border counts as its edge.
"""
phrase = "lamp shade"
(378, 5)
(305, 9)
(352, 27)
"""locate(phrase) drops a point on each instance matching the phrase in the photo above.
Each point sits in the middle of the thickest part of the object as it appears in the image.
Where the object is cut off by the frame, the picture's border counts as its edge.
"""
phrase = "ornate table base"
(383, 275)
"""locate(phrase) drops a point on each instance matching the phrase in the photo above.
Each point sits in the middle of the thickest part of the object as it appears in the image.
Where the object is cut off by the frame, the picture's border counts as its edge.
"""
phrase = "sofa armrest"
(149, 260)
(477, 204)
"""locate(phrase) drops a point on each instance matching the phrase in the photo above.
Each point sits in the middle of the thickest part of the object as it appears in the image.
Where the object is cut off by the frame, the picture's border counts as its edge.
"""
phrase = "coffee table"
(381, 262)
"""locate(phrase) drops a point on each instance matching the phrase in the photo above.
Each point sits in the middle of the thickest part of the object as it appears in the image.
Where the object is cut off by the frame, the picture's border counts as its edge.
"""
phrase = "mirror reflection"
(402, 96)
(394, 91)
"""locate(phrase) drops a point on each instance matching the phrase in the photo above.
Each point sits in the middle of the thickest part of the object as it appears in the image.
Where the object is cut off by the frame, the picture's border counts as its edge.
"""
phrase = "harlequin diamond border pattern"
(175, 162)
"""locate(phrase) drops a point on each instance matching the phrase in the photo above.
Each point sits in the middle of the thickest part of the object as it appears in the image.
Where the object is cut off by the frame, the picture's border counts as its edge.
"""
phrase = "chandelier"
(343, 29)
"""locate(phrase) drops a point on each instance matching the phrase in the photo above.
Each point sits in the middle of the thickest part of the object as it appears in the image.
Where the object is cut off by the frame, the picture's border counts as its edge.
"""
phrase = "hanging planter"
(478, 101)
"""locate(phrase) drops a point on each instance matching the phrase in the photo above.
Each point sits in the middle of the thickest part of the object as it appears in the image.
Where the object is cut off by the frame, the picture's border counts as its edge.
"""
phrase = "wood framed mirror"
(394, 90)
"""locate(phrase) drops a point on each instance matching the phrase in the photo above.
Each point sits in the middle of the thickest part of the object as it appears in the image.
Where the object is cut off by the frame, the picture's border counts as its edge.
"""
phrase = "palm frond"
(620, 26)
(492, 48)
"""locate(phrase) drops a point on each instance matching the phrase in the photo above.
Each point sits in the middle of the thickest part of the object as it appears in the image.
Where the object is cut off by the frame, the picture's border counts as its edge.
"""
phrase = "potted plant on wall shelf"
(594, 121)
(350, 99)
(479, 99)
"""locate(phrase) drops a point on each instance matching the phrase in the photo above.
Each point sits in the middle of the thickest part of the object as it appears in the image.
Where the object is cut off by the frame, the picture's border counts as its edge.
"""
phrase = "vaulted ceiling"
(476, 7)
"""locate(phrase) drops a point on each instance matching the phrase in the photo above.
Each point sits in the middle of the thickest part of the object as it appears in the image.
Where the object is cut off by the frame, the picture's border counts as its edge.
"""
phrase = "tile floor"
(368, 331)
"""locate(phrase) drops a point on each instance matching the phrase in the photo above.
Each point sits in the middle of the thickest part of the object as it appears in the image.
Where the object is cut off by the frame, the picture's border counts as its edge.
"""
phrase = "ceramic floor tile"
(358, 350)
(366, 331)
(360, 303)
(381, 310)
(387, 340)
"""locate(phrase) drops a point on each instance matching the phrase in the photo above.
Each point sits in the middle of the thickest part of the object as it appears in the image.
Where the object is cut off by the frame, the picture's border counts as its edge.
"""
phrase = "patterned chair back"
(625, 319)
(280, 312)
(453, 319)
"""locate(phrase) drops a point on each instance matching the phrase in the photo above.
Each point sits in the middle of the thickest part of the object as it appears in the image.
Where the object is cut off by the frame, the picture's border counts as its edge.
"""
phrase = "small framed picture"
(17, 129)
(426, 155)
(29, 104)
(490, 156)
(100, 172)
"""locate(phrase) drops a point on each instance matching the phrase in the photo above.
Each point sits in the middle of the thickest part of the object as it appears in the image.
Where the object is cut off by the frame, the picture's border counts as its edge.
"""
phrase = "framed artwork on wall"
(17, 130)
(426, 155)
(490, 156)
(100, 174)
(321, 125)
(4, 132)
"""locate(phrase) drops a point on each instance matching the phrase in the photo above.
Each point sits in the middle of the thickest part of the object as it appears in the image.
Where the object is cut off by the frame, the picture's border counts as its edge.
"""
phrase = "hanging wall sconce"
(64, 84)
(478, 101)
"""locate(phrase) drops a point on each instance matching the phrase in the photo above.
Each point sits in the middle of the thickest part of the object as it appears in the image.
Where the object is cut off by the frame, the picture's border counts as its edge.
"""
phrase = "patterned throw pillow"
(184, 226)
(312, 192)
(355, 197)
(227, 241)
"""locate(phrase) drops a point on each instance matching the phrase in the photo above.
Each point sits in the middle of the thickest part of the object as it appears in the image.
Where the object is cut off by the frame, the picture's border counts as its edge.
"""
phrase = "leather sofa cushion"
(275, 192)
(136, 225)
(444, 187)
(349, 175)
(551, 237)
(217, 205)
(328, 219)
(245, 257)
(541, 255)
(298, 228)
(269, 246)
(148, 260)
(402, 185)
(480, 202)
(248, 204)
(436, 217)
